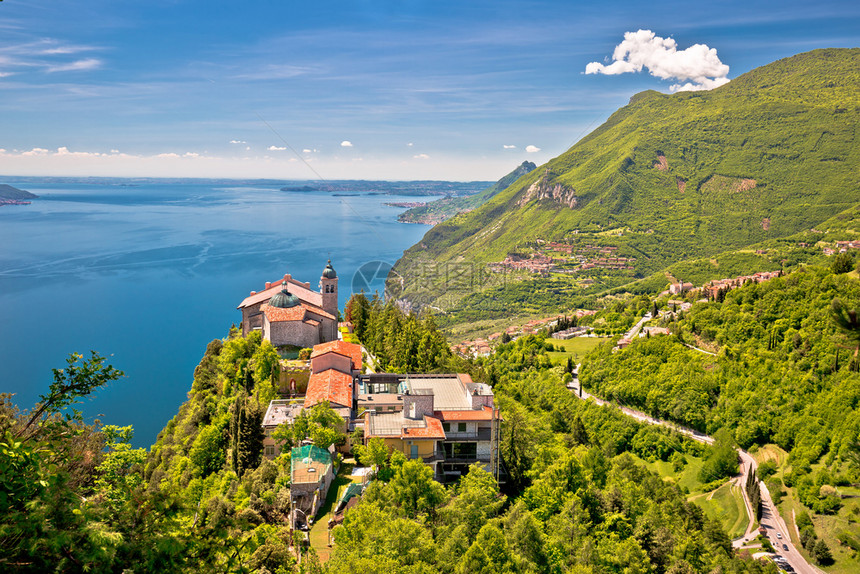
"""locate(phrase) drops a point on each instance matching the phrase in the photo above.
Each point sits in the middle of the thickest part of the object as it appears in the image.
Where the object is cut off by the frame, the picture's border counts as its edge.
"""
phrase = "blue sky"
(279, 89)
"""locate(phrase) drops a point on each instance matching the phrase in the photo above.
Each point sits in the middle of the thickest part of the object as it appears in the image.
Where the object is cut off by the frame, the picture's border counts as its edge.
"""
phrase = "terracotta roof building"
(448, 421)
(288, 312)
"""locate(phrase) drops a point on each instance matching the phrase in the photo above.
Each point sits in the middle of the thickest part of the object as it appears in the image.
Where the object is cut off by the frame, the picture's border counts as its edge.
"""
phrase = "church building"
(288, 312)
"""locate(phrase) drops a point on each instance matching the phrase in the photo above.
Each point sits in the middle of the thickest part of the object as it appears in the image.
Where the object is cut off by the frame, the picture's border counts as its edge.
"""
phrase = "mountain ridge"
(682, 175)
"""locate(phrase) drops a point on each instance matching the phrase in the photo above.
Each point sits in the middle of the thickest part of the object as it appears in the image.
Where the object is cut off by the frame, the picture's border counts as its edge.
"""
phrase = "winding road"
(770, 518)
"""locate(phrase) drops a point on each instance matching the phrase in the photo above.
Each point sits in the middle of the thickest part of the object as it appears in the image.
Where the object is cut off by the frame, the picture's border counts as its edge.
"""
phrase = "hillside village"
(445, 420)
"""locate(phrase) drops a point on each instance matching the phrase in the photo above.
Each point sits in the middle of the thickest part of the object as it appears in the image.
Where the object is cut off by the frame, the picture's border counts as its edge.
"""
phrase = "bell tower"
(328, 289)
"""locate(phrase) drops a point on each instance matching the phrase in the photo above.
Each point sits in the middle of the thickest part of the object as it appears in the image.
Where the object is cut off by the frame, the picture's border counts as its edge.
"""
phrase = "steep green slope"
(442, 209)
(672, 177)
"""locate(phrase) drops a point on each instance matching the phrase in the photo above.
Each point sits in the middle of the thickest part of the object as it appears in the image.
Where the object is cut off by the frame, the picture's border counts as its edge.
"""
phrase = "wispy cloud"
(421, 156)
(505, 146)
(662, 59)
(238, 142)
(77, 65)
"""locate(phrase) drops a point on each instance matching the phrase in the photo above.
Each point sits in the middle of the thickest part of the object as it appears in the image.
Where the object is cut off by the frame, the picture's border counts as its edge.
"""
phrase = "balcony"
(479, 436)
(437, 456)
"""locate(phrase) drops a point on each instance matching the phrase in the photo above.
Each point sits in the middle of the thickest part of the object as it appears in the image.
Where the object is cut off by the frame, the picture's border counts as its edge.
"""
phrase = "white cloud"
(78, 65)
(36, 151)
(509, 146)
(532, 149)
(114, 151)
(346, 143)
(307, 150)
(248, 148)
(275, 148)
(410, 144)
(698, 66)
(238, 142)
(421, 156)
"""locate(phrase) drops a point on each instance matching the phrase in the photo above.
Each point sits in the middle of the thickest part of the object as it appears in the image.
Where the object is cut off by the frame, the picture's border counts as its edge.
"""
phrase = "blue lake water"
(150, 273)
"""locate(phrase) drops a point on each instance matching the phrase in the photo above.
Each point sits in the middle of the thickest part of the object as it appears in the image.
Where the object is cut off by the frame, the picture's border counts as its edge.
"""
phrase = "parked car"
(779, 535)
(785, 547)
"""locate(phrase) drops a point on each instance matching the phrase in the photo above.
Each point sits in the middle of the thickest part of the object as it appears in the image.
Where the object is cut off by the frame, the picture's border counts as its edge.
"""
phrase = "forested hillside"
(576, 496)
(783, 378)
(674, 177)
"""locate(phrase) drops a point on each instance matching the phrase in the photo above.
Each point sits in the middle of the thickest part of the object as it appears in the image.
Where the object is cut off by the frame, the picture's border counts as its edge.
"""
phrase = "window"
(270, 450)
(446, 427)
(461, 427)
(392, 408)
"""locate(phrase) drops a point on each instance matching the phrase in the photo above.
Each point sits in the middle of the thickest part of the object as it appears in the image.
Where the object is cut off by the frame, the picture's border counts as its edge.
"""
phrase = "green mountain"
(442, 209)
(672, 177)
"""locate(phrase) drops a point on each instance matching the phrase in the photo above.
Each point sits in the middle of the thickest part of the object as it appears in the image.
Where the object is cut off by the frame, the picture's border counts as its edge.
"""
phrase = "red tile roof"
(484, 414)
(274, 314)
(300, 290)
(330, 385)
(432, 430)
(296, 313)
(350, 350)
(465, 378)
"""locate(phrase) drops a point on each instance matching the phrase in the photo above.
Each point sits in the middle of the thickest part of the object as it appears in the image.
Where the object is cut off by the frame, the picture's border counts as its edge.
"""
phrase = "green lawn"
(576, 348)
(319, 531)
(725, 504)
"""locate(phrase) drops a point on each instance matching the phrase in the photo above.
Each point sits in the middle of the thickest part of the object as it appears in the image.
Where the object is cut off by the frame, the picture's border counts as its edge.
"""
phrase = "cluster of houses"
(483, 347)
(584, 257)
(841, 247)
(712, 288)
(447, 421)
(538, 263)
(609, 263)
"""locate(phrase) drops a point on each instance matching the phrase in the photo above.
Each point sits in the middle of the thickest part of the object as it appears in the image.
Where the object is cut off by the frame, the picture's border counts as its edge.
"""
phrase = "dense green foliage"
(80, 498)
(400, 342)
(785, 373)
(670, 178)
(782, 374)
(573, 500)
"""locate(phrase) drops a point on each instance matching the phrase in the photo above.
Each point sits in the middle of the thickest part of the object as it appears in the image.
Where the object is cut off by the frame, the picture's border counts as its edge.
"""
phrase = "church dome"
(284, 299)
(329, 272)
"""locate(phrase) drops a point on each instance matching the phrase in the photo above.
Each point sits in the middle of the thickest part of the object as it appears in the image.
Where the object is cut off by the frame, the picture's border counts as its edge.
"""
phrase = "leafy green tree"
(78, 379)
(119, 474)
(489, 554)
(848, 323)
(821, 553)
(842, 263)
(414, 490)
(374, 454)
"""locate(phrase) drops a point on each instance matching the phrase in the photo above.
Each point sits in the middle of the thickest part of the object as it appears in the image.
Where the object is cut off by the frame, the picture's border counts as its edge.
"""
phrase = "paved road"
(770, 519)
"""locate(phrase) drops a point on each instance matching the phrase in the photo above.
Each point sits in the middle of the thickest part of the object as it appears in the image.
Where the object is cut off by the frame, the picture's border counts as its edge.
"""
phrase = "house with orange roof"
(327, 355)
(334, 366)
(288, 312)
(446, 420)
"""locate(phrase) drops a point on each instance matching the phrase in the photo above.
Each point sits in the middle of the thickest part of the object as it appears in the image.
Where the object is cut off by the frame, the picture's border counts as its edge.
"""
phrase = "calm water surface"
(151, 272)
